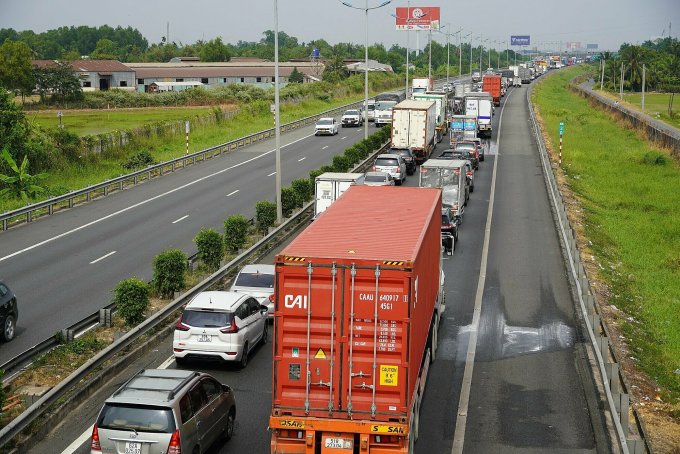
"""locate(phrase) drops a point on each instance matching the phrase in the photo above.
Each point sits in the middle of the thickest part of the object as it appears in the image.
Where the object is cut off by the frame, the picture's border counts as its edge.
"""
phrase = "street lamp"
(448, 48)
(366, 9)
(460, 53)
(408, 35)
(277, 122)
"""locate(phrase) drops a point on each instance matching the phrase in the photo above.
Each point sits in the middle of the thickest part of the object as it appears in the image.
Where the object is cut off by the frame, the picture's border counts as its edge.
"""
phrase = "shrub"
(265, 215)
(131, 297)
(353, 154)
(312, 178)
(168, 272)
(303, 189)
(210, 248)
(289, 200)
(139, 160)
(340, 163)
(235, 232)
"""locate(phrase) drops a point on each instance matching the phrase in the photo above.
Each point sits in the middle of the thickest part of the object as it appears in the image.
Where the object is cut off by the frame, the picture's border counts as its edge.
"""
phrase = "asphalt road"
(64, 267)
(526, 389)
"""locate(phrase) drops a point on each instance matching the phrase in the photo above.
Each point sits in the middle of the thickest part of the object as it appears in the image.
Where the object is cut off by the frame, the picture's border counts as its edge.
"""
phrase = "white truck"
(462, 127)
(414, 125)
(421, 85)
(449, 175)
(480, 105)
(441, 107)
(331, 185)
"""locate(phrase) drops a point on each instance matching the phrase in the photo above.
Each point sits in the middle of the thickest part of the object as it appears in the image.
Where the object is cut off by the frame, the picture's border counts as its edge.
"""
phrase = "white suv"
(326, 125)
(257, 280)
(393, 164)
(220, 325)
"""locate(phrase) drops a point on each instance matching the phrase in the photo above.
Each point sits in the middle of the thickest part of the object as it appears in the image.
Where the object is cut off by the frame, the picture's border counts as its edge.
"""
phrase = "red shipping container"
(356, 295)
(492, 85)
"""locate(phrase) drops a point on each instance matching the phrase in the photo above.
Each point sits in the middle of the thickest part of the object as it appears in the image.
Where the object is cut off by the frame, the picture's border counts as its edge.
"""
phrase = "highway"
(510, 375)
(64, 267)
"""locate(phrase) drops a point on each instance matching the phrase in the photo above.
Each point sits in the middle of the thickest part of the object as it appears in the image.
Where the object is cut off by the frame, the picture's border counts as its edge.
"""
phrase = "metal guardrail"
(613, 381)
(48, 207)
(285, 230)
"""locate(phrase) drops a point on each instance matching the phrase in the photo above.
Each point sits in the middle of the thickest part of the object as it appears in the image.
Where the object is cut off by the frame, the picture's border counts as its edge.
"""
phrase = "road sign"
(520, 40)
(561, 128)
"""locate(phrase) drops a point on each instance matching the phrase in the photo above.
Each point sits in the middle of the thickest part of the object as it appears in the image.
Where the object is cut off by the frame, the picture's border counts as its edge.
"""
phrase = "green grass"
(95, 169)
(630, 194)
(656, 105)
(90, 122)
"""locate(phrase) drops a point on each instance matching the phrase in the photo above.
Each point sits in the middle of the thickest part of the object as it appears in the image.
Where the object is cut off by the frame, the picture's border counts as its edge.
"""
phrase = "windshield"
(385, 105)
(352, 112)
(450, 196)
(375, 178)
(262, 280)
(437, 178)
(465, 146)
(325, 122)
(141, 418)
(371, 107)
(206, 319)
(386, 162)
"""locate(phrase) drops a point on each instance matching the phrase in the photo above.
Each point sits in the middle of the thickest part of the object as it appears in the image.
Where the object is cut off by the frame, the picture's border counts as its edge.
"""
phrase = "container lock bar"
(353, 273)
(334, 273)
(309, 326)
(375, 339)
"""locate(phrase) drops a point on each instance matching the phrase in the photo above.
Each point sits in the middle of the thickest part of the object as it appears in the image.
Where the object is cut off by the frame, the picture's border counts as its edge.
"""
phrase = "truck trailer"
(441, 101)
(414, 126)
(330, 185)
(355, 324)
(480, 104)
(492, 84)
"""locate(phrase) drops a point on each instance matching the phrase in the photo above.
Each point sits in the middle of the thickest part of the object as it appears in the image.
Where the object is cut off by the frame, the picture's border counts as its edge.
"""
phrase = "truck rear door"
(400, 123)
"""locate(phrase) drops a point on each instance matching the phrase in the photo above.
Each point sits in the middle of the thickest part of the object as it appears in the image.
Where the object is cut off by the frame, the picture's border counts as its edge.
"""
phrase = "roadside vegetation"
(627, 208)
(656, 105)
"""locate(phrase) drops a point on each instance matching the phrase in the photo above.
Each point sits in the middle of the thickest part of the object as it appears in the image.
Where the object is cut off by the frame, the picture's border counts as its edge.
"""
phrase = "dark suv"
(409, 158)
(9, 313)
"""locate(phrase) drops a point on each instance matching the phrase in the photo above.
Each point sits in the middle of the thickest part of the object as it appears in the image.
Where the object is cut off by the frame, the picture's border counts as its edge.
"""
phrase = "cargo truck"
(413, 126)
(462, 127)
(355, 325)
(524, 75)
(480, 105)
(441, 101)
(422, 85)
(492, 84)
(330, 185)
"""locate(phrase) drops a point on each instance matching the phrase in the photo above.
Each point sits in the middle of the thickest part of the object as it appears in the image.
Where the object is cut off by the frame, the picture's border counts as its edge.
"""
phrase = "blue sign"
(561, 128)
(520, 40)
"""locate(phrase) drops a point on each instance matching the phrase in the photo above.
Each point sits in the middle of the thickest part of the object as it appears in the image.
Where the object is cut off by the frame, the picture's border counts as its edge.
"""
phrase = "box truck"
(422, 85)
(355, 324)
(492, 84)
(330, 185)
(462, 127)
(441, 101)
(413, 126)
(480, 105)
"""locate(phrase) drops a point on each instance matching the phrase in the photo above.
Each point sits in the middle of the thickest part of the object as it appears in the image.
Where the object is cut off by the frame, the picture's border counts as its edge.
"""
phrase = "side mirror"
(263, 308)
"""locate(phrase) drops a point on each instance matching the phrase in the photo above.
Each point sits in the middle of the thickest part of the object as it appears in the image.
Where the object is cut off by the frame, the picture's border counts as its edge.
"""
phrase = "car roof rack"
(149, 374)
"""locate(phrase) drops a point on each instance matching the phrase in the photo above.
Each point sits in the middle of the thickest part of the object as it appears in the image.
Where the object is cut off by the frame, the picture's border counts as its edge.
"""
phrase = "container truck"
(524, 75)
(355, 325)
(441, 101)
(462, 127)
(422, 85)
(480, 105)
(492, 84)
(413, 126)
(330, 185)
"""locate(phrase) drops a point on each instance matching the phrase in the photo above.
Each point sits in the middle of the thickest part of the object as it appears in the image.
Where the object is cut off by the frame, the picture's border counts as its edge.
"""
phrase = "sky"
(608, 23)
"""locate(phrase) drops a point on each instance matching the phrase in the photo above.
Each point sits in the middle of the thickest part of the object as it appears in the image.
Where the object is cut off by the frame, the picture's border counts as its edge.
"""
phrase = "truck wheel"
(416, 419)
(435, 339)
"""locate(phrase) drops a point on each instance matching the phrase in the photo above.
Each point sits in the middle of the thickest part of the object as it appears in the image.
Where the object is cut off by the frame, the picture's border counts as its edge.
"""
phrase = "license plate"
(337, 443)
(133, 447)
(204, 338)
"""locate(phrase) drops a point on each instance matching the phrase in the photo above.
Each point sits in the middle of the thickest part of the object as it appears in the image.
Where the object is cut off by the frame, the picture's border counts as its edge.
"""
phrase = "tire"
(9, 327)
(472, 188)
(416, 419)
(244, 356)
(265, 333)
(229, 426)
(180, 361)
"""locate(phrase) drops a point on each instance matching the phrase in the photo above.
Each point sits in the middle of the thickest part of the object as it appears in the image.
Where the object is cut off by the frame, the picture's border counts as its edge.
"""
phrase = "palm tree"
(22, 184)
(634, 56)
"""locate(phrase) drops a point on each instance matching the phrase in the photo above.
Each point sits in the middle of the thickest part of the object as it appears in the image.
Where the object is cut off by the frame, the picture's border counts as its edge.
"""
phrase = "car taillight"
(468, 173)
(179, 326)
(230, 329)
(95, 445)
(446, 226)
(175, 446)
(272, 298)
(374, 169)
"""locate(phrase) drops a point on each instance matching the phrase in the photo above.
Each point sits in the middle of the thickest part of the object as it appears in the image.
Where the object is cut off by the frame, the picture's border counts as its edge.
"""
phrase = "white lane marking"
(180, 219)
(102, 257)
(273, 173)
(343, 138)
(73, 447)
(233, 192)
(464, 401)
(302, 159)
(323, 148)
(144, 202)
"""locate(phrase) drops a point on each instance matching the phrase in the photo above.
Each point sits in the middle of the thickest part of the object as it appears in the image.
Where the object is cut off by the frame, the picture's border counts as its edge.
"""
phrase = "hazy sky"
(605, 22)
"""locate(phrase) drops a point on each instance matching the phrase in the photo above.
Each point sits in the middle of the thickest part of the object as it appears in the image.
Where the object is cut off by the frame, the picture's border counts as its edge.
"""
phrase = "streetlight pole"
(277, 123)
(470, 54)
(366, 9)
(429, 64)
(460, 52)
(408, 34)
(448, 52)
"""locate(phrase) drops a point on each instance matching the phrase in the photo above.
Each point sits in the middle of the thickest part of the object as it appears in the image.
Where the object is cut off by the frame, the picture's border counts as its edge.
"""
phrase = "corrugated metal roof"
(182, 72)
(370, 223)
(414, 104)
(93, 66)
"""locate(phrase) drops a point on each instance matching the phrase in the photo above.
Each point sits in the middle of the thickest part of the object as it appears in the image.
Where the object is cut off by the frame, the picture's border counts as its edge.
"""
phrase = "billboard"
(418, 18)
(573, 45)
(520, 40)
(591, 46)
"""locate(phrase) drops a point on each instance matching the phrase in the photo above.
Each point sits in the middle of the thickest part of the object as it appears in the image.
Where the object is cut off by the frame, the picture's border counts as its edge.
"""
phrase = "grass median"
(629, 205)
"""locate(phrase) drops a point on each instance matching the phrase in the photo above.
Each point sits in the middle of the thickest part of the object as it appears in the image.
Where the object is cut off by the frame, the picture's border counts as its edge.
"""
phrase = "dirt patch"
(657, 417)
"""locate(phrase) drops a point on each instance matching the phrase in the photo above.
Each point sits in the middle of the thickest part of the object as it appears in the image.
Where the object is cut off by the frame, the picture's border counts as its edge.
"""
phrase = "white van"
(449, 175)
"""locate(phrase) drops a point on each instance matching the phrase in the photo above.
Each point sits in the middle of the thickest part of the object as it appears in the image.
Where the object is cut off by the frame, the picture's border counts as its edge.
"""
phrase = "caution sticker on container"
(389, 375)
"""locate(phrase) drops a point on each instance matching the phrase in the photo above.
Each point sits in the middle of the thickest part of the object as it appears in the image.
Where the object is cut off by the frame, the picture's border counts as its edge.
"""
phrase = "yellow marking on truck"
(295, 259)
(393, 263)
(292, 423)
(320, 354)
(387, 429)
(389, 375)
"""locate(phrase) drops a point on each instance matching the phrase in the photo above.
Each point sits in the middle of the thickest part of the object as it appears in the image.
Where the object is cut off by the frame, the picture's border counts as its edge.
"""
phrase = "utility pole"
(602, 77)
(643, 86)
(470, 54)
(408, 34)
(277, 120)
(448, 52)
(621, 83)
(429, 65)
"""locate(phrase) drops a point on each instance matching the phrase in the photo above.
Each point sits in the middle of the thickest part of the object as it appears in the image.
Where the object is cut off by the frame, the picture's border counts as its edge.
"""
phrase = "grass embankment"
(629, 193)
(656, 105)
(90, 122)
